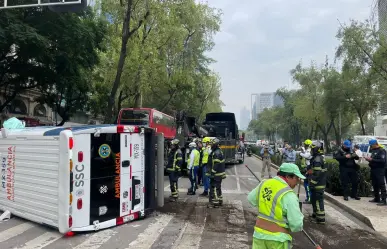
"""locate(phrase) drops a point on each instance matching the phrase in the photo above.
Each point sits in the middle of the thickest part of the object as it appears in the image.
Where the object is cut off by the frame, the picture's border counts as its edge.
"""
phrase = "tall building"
(244, 118)
(381, 120)
(265, 100)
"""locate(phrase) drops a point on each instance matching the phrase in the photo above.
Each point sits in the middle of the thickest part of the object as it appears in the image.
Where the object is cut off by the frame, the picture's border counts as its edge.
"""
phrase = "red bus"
(159, 121)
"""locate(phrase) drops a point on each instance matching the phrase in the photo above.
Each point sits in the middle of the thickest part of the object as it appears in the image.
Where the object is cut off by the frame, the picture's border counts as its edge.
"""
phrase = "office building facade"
(265, 101)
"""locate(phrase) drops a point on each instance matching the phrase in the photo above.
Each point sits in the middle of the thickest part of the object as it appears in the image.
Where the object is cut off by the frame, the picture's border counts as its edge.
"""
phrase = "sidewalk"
(372, 215)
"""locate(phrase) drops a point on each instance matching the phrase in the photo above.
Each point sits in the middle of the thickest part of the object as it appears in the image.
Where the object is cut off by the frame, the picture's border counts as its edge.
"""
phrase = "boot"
(213, 204)
(172, 199)
(375, 200)
(356, 198)
(205, 193)
(382, 203)
(318, 221)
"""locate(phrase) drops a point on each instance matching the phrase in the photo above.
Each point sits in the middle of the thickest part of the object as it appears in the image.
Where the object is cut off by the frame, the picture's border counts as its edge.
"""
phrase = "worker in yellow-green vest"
(193, 167)
(278, 209)
(206, 150)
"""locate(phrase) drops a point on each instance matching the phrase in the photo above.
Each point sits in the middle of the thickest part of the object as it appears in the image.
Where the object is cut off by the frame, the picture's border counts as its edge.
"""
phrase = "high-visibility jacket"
(270, 193)
(205, 155)
(196, 158)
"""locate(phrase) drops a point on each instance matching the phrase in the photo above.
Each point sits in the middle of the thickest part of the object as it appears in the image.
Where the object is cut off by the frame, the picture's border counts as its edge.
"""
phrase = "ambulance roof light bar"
(71, 5)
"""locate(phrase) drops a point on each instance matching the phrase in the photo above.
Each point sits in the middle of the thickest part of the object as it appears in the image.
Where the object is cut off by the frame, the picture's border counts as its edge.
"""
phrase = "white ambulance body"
(74, 179)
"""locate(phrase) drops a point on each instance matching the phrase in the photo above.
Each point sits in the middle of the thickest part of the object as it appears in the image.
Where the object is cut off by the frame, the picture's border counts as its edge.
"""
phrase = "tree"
(57, 52)
(128, 30)
(166, 68)
(360, 84)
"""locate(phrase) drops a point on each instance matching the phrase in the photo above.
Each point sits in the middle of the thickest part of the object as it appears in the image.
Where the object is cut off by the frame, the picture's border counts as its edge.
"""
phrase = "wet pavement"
(189, 224)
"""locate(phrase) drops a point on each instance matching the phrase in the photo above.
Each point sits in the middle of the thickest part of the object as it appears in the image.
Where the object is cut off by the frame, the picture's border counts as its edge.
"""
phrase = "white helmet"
(192, 145)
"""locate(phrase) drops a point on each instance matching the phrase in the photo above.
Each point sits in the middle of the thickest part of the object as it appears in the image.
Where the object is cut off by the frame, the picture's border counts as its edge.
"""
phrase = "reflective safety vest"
(269, 196)
(196, 158)
(205, 155)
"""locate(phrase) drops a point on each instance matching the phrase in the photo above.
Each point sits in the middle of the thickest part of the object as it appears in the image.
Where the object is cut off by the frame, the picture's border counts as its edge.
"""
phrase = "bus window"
(157, 117)
(134, 117)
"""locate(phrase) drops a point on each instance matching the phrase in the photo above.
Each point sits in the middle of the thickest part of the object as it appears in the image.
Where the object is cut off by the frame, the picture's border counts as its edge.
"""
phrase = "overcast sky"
(262, 40)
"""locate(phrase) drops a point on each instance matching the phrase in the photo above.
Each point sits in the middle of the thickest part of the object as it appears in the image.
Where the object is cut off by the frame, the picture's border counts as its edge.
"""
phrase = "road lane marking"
(224, 191)
(237, 179)
(147, 238)
(97, 240)
(42, 241)
(15, 231)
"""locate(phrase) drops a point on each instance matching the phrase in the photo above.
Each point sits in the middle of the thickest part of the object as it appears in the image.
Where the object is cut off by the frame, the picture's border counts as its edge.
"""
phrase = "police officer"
(305, 162)
(377, 162)
(216, 171)
(348, 169)
(193, 167)
(317, 173)
(175, 161)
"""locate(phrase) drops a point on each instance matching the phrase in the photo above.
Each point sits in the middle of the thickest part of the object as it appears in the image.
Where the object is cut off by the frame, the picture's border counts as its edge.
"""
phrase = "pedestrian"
(175, 161)
(377, 163)
(193, 166)
(348, 170)
(305, 163)
(317, 173)
(266, 154)
(217, 172)
(206, 150)
(278, 209)
(290, 155)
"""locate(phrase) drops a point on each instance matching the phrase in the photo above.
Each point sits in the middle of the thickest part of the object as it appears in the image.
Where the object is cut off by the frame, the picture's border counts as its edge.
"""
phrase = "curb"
(330, 198)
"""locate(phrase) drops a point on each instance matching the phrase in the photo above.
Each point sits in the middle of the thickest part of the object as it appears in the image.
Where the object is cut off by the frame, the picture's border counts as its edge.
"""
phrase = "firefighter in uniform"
(305, 162)
(317, 174)
(175, 161)
(206, 150)
(278, 209)
(217, 172)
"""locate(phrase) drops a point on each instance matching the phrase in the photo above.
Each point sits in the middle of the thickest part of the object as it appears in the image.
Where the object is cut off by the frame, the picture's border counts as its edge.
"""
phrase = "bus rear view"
(223, 125)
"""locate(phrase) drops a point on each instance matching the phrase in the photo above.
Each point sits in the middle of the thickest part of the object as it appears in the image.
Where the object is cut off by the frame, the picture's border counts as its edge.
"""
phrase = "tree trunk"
(362, 124)
(127, 32)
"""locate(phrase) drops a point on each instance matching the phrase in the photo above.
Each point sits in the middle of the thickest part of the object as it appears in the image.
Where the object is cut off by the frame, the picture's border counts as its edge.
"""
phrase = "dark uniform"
(317, 173)
(216, 170)
(348, 171)
(377, 165)
(175, 161)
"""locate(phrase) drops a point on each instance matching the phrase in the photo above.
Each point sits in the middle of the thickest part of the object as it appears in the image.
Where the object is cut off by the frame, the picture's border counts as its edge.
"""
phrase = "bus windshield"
(135, 117)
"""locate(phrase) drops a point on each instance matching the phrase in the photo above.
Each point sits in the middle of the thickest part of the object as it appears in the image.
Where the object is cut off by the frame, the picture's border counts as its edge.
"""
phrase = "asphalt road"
(189, 224)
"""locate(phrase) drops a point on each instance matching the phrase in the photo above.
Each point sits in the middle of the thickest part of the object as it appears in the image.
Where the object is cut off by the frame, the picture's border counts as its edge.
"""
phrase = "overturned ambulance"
(78, 179)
